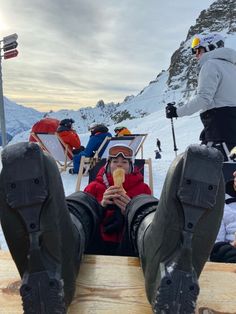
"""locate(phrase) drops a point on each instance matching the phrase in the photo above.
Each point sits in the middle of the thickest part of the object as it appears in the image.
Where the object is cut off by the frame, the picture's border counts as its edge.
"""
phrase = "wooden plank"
(108, 284)
(218, 286)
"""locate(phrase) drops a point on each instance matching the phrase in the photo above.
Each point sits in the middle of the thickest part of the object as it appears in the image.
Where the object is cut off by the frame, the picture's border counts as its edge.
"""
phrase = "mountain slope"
(179, 82)
(18, 117)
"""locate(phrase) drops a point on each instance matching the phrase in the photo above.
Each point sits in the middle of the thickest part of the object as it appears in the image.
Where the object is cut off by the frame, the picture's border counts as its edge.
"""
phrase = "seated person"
(69, 136)
(45, 125)
(224, 250)
(98, 133)
(173, 237)
(114, 199)
(121, 130)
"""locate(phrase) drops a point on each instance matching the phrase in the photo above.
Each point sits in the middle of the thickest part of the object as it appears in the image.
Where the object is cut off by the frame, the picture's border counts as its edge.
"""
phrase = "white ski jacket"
(216, 97)
(228, 224)
(216, 82)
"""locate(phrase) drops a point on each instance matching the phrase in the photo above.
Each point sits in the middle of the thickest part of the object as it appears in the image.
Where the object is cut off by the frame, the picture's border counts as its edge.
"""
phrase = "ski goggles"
(115, 151)
(195, 45)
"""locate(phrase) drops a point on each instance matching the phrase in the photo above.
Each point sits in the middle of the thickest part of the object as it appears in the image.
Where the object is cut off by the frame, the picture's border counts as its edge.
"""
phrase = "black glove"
(114, 223)
(223, 252)
(77, 150)
(171, 110)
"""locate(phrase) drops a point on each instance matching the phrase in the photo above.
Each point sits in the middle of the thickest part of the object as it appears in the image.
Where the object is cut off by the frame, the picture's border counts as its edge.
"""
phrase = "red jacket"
(133, 186)
(70, 138)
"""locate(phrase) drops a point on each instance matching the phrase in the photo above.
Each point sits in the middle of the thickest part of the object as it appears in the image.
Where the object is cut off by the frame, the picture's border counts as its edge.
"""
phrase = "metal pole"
(2, 113)
(173, 134)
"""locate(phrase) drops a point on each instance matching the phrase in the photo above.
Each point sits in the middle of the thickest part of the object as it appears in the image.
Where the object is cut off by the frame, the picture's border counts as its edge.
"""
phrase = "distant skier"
(216, 93)
(159, 144)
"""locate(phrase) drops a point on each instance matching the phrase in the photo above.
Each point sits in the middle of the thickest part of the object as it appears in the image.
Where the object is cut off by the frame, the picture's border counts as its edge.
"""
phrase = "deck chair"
(86, 163)
(134, 140)
(228, 168)
(56, 147)
(139, 163)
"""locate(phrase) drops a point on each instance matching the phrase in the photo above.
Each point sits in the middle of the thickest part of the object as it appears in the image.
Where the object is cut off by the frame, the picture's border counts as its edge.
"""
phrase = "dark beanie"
(67, 122)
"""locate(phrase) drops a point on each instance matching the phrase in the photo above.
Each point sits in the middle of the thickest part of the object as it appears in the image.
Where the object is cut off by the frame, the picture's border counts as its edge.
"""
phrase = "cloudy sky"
(73, 53)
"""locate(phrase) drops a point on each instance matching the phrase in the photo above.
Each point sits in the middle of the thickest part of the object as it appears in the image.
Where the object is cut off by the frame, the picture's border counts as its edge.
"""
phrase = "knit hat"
(67, 122)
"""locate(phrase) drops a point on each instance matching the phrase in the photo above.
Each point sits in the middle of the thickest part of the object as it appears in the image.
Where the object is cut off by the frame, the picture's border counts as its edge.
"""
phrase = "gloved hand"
(114, 223)
(171, 110)
(223, 252)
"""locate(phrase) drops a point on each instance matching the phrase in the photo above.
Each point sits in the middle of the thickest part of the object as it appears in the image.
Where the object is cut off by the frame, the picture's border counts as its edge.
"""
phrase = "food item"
(119, 177)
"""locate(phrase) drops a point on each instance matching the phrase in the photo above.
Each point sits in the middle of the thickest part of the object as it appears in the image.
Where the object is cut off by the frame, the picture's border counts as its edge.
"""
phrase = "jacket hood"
(226, 54)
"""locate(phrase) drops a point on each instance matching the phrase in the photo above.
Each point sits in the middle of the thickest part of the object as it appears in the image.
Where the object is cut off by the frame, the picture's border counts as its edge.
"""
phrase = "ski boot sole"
(179, 289)
(26, 191)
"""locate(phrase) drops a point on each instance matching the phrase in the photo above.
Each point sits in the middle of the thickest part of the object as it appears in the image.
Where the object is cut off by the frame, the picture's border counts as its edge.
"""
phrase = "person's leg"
(175, 242)
(139, 207)
(44, 243)
(86, 211)
(76, 162)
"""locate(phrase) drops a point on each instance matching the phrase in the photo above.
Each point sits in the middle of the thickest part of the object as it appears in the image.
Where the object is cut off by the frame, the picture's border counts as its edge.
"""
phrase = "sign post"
(10, 54)
(9, 39)
(7, 45)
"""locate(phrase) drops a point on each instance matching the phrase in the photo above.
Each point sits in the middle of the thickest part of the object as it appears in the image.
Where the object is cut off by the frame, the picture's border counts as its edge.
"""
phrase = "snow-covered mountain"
(19, 118)
(177, 83)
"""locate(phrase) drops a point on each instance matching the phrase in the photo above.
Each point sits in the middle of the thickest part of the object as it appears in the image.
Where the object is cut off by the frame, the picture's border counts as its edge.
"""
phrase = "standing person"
(173, 237)
(159, 144)
(121, 131)
(98, 134)
(69, 136)
(216, 93)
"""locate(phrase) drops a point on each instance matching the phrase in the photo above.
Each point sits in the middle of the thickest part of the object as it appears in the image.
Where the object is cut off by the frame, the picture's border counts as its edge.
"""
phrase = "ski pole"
(173, 134)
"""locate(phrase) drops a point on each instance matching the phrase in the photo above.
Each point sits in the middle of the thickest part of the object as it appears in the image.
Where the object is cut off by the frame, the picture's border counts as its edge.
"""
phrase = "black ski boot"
(175, 242)
(86, 214)
(38, 229)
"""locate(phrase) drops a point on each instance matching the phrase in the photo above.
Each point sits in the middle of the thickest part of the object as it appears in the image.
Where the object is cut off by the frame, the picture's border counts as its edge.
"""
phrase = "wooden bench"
(108, 284)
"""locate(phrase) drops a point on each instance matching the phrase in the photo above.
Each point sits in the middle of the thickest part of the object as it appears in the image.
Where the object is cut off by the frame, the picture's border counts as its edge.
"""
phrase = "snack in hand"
(119, 177)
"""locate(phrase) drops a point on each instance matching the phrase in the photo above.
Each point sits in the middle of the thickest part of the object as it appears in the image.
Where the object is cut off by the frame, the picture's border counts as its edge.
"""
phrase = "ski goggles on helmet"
(125, 151)
(195, 45)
